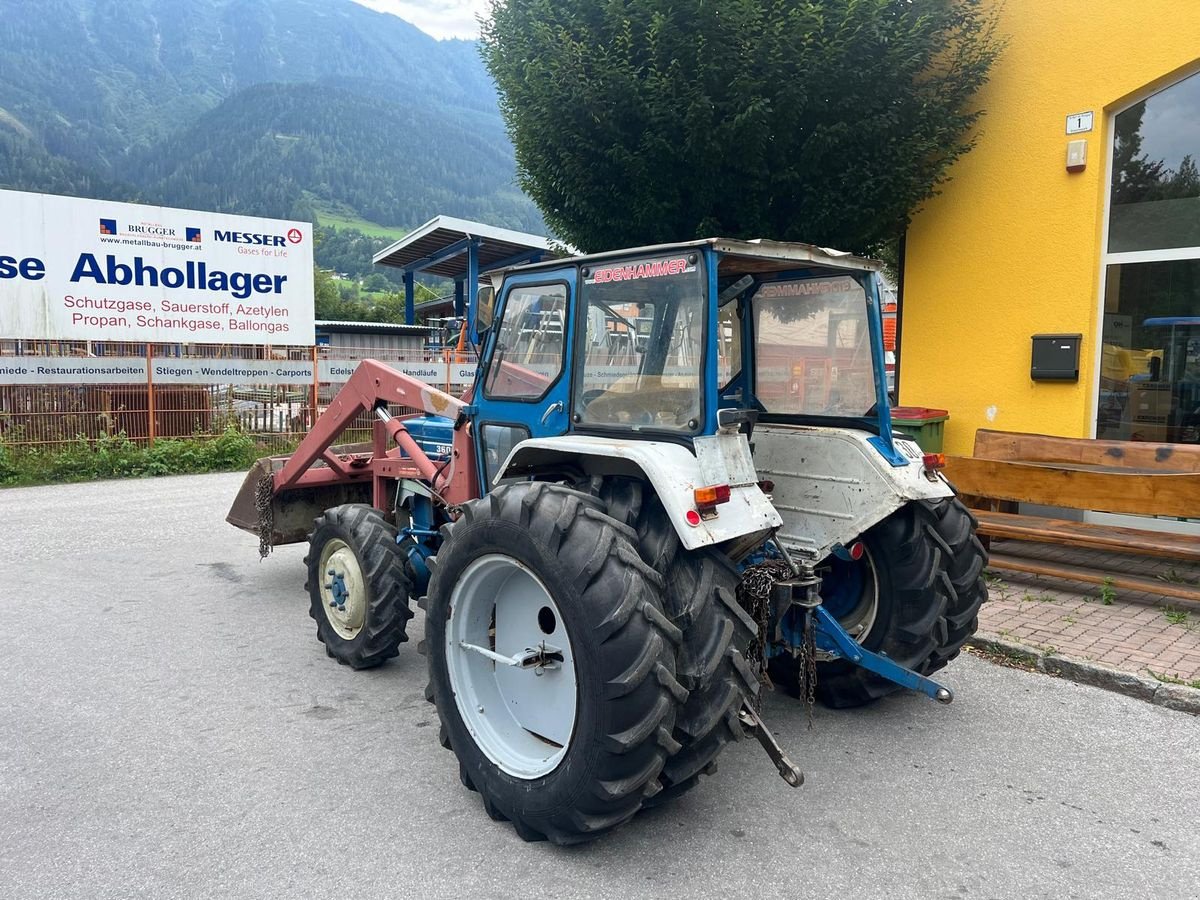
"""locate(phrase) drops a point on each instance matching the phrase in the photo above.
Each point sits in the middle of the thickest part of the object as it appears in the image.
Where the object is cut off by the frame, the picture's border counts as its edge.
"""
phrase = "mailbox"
(1055, 357)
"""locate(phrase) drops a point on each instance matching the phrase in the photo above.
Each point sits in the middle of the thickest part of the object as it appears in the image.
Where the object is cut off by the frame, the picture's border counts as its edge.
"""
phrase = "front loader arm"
(372, 386)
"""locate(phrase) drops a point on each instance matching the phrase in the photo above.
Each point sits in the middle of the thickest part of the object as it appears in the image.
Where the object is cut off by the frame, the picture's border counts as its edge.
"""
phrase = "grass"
(1040, 598)
(1107, 594)
(1005, 657)
(1173, 577)
(996, 585)
(1177, 616)
(1171, 679)
(343, 217)
(115, 456)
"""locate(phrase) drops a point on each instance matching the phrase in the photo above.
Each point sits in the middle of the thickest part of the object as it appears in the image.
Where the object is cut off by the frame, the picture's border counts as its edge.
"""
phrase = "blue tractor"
(674, 482)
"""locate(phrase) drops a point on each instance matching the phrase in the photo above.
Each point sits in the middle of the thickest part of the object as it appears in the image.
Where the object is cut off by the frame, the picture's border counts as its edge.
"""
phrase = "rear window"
(813, 347)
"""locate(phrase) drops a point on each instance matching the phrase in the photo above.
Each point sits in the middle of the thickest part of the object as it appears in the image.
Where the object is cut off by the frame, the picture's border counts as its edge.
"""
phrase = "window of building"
(1150, 353)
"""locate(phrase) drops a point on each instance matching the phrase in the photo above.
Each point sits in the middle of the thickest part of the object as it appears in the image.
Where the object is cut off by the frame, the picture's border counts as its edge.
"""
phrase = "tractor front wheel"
(551, 662)
(357, 586)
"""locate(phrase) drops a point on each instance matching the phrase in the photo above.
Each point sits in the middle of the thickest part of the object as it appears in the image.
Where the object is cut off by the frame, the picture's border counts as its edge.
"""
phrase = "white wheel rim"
(343, 589)
(521, 718)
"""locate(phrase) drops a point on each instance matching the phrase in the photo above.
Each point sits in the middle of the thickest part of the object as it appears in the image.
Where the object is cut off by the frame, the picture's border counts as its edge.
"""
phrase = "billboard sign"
(78, 269)
(197, 370)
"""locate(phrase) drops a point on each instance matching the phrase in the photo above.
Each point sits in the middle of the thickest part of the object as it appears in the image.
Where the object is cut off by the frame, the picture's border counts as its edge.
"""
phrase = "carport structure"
(458, 249)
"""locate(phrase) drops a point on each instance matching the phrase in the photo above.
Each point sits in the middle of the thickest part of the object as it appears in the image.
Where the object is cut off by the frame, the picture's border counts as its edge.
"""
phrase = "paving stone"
(1131, 635)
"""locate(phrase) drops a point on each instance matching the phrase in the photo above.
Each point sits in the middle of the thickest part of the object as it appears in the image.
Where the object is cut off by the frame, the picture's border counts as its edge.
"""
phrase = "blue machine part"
(884, 442)
(833, 639)
(514, 417)
(337, 586)
(433, 434)
(419, 540)
(841, 585)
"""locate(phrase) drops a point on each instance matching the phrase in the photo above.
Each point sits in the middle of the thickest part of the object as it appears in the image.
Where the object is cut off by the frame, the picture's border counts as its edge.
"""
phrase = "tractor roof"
(740, 257)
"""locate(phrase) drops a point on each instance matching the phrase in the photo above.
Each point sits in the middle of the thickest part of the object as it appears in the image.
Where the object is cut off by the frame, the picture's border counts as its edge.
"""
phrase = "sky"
(1171, 126)
(440, 18)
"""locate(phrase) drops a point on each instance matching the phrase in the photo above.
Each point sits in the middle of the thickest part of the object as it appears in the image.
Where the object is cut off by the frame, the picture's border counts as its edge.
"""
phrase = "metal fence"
(56, 413)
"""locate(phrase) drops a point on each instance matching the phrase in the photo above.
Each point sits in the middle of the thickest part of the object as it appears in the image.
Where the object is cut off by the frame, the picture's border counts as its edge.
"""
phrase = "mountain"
(286, 149)
(267, 107)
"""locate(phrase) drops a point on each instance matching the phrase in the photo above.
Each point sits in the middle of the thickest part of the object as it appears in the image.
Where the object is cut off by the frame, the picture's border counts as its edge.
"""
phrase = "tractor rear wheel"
(551, 662)
(357, 586)
(701, 599)
(914, 595)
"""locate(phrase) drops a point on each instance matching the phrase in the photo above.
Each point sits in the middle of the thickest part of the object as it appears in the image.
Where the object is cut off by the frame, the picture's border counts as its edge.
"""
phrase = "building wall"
(1012, 245)
(405, 343)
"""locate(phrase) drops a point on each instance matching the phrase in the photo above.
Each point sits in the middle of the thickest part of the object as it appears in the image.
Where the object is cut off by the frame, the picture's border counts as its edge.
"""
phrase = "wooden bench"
(1105, 476)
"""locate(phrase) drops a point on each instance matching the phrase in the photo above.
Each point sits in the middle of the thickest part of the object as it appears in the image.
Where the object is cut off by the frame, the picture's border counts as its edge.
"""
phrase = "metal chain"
(264, 493)
(808, 665)
(754, 596)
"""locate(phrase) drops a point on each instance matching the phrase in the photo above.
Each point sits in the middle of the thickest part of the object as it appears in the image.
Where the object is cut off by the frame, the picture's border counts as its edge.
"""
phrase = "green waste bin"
(921, 423)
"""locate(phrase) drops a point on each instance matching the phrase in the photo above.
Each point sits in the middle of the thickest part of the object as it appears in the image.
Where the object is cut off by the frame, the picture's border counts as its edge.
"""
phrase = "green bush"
(233, 450)
(8, 468)
(115, 456)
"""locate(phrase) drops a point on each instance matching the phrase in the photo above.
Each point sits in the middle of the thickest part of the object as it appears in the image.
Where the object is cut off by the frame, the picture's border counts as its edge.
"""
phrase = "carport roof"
(431, 247)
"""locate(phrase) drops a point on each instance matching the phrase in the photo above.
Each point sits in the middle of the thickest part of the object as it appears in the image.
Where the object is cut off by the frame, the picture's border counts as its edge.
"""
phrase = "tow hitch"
(752, 722)
(823, 632)
(803, 591)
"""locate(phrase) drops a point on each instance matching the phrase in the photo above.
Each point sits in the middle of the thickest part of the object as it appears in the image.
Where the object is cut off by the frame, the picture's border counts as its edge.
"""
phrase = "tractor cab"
(653, 343)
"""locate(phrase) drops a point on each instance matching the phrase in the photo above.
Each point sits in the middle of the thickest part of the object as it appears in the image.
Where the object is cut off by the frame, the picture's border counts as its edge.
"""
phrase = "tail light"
(707, 498)
(934, 461)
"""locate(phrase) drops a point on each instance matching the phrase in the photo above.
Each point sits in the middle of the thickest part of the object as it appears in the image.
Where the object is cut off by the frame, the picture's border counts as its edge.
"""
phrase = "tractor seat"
(647, 400)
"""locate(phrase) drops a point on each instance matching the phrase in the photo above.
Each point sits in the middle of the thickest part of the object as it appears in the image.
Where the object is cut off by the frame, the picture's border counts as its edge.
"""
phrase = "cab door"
(524, 388)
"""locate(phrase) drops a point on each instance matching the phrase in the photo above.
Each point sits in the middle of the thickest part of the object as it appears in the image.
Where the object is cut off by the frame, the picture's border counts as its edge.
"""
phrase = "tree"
(830, 121)
(1135, 176)
(327, 302)
(376, 283)
(1185, 181)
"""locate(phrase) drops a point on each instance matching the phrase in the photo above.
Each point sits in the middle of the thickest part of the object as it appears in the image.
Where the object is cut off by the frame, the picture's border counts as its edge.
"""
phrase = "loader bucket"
(286, 517)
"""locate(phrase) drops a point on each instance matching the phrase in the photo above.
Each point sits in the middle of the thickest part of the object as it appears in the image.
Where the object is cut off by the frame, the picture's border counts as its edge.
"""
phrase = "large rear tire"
(701, 599)
(569, 752)
(965, 559)
(914, 596)
(357, 586)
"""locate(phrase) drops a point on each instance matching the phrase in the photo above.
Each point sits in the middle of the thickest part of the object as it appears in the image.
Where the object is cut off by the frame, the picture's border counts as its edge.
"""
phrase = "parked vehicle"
(675, 469)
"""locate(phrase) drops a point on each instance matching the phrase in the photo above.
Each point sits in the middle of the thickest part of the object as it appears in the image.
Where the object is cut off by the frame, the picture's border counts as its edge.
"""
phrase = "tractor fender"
(832, 484)
(671, 469)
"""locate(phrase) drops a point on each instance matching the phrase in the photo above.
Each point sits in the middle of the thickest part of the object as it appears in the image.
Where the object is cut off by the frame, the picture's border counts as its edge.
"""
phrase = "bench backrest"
(1109, 476)
(1010, 445)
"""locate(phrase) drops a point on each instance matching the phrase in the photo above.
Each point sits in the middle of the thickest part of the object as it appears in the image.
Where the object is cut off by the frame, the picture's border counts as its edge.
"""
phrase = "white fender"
(831, 485)
(672, 470)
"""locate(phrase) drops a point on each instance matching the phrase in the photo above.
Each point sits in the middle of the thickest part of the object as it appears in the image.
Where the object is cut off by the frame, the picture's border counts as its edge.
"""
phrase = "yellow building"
(1027, 240)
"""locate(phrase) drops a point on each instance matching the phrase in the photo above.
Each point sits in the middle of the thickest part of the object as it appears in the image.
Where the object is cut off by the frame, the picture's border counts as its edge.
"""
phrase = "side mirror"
(735, 420)
(481, 315)
(485, 308)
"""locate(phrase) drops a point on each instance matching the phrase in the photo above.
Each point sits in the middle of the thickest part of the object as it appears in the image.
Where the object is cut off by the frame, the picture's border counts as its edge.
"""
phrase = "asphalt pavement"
(169, 727)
